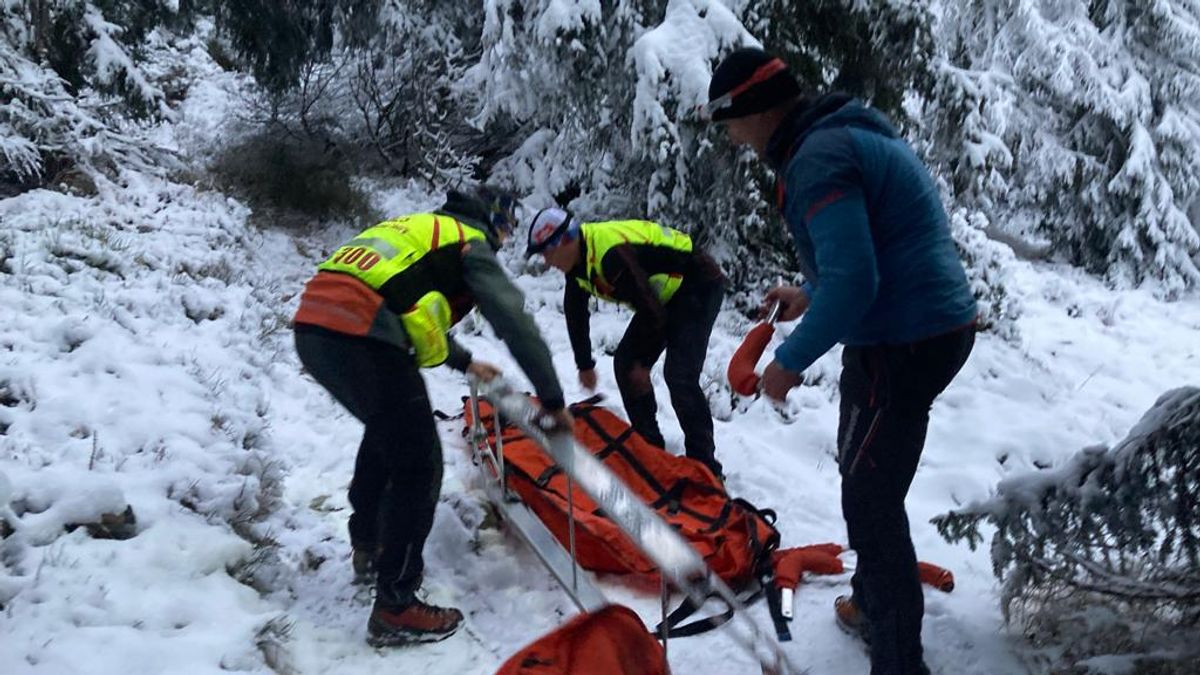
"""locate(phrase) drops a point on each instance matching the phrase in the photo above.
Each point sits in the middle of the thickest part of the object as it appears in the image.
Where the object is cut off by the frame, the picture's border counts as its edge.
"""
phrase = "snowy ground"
(145, 357)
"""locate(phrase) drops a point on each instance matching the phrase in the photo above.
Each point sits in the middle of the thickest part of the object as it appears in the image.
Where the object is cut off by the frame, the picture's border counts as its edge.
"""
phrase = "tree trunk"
(39, 21)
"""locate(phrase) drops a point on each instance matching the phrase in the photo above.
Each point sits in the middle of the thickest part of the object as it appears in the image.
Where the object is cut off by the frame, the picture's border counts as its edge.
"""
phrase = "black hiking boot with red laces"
(417, 623)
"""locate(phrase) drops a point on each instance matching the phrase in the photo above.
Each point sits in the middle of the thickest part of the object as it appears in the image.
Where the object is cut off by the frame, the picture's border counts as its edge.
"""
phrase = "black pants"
(690, 317)
(886, 395)
(398, 471)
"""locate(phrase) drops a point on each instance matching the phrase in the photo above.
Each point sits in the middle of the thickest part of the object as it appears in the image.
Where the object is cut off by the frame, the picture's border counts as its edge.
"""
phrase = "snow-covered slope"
(145, 358)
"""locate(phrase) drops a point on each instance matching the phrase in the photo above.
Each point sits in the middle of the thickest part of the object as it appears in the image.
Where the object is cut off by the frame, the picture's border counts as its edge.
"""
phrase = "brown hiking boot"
(850, 618)
(418, 622)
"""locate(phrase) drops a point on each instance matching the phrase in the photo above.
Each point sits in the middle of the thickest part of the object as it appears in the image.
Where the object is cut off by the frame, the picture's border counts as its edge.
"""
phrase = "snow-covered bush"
(290, 182)
(74, 75)
(987, 264)
(59, 501)
(8, 518)
(1101, 555)
(108, 295)
(373, 86)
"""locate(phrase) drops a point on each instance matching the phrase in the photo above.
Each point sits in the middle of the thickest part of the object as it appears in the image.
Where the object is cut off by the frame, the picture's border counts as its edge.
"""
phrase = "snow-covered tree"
(554, 80)
(278, 41)
(876, 50)
(1112, 528)
(1058, 120)
(601, 101)
(407, 91)
(987, 264)
(695, 180)
(1076, 122)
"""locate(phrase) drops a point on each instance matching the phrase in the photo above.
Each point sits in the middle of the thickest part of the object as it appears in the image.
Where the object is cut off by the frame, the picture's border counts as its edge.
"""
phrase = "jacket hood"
(823, 112)
(471, 211)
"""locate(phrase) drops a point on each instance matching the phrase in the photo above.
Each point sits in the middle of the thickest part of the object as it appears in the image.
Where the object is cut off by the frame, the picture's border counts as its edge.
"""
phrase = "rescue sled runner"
(519, 460)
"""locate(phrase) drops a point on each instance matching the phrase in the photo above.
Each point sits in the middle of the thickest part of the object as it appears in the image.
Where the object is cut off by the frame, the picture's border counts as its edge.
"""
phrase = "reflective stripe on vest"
(387, 249)
(599, 238)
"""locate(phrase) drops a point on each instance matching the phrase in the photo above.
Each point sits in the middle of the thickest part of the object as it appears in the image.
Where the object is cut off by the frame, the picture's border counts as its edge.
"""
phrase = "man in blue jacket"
(883, 277)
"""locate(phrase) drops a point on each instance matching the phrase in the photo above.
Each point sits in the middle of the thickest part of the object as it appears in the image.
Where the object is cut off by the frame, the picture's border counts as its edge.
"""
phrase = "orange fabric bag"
(609, 641)
(732, 536)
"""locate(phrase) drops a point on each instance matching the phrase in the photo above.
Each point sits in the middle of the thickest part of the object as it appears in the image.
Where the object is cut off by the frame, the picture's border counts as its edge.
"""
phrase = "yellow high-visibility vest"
(600, 237)
(387, 250)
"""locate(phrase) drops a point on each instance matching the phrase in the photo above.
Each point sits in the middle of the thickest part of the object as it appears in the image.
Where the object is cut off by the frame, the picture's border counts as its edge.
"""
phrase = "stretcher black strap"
(615, 444)
(666, 497)
(544, 479)
(765, 585)
(721, 518)
(510, 431)
(775, 608)
(768, 515)
(762, 549)
(673, 497)
(584, 412)
(590, 402)
(674, 502)
(764, 569)
(676, 627)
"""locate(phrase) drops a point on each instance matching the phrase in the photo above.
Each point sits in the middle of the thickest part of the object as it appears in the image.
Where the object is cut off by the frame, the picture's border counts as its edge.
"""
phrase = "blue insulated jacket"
(870, 231)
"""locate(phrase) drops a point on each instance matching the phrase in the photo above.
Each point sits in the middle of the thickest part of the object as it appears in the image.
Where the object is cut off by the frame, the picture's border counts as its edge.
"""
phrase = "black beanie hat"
(747, 82)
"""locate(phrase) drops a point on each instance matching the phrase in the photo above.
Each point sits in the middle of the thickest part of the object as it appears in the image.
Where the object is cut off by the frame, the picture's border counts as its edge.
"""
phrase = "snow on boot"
(417, 623)
(362, 559)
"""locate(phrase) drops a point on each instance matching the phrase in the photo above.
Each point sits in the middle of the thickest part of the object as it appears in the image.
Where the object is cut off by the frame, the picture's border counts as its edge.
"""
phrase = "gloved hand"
(588, 379)
(777, 381)
(557, 421)
(792, 302)
(486, 372)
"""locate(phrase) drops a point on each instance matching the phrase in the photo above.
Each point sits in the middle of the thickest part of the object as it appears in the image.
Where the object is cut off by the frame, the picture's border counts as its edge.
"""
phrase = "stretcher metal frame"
(680, 566)
(563, 565)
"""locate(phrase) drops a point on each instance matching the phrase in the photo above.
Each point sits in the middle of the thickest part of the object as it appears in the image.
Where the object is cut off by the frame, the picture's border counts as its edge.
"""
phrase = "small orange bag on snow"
(938, 577)
(609, 641)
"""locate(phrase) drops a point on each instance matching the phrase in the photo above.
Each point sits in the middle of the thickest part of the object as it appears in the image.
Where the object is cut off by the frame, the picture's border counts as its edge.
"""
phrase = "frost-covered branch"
(1117, 523)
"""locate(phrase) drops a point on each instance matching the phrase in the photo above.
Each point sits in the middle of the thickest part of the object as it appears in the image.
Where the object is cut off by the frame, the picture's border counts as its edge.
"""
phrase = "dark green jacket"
(503, 305)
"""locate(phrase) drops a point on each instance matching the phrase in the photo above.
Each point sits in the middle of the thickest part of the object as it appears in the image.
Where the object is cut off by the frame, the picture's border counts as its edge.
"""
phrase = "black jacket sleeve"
(459, 357)
(502, 304)
(579, 324)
